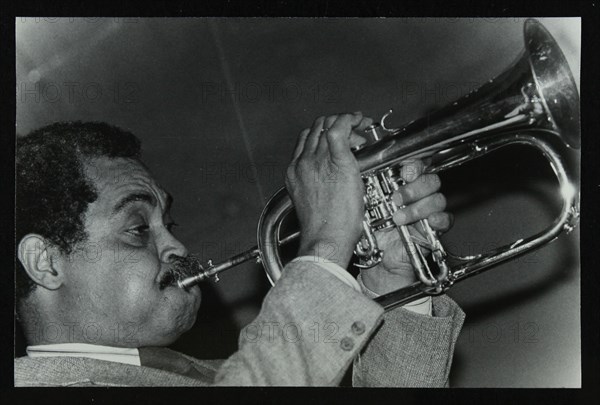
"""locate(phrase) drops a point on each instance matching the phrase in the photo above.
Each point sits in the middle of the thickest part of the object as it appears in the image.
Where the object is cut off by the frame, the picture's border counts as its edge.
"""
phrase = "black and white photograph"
(253, 201)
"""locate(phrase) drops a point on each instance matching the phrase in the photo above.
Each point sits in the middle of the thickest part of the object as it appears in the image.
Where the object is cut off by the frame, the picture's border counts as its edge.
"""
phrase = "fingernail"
(399, 217)
(397, 198)
(433, 219)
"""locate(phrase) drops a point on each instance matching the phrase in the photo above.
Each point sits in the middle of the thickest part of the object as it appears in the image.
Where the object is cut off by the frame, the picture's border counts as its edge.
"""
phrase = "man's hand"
(324, 183)
(422, 200)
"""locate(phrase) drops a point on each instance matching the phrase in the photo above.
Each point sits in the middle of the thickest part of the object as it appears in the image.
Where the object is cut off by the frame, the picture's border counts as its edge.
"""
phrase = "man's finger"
(441, 221)
(364, 123)
(323, 143)
(356, 139)
(420, 209)
(313, 137)
(338, 135)
(356, 136)
(329, 121)
(427, 184)
(300, 143)
(412, 170)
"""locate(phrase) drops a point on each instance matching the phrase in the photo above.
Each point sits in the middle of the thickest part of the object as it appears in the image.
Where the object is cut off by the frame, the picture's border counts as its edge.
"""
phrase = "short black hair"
(52, 191)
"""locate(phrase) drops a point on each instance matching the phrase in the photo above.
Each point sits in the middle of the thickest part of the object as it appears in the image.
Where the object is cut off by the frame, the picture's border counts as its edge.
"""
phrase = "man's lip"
(193, 291)
(162, 274)
(181, 288)
(174, 283)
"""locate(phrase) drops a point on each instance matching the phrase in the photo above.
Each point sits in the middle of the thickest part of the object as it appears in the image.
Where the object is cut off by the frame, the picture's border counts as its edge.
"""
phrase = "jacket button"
(358, 327)
(347, 344)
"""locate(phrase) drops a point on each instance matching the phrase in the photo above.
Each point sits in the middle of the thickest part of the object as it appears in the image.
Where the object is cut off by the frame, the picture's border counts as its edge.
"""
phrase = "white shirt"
(108, 353)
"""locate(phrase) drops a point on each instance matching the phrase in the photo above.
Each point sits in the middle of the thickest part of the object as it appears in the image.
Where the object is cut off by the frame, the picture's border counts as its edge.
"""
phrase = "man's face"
(113, 278)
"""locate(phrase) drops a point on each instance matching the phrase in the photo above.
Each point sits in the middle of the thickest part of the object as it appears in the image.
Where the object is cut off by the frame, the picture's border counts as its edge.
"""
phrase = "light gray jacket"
(324, 325)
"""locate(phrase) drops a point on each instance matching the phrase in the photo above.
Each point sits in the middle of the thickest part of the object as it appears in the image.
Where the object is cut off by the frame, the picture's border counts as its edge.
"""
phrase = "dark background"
(218, 105)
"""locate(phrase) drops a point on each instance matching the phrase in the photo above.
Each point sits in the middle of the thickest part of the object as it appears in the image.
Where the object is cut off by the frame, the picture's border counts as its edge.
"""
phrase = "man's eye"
(139, 230)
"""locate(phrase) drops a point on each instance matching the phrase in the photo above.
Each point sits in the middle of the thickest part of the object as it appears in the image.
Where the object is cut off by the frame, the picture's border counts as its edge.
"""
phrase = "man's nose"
(172, 247)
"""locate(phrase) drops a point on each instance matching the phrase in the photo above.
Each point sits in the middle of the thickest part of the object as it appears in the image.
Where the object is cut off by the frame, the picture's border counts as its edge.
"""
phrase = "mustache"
(181, 268)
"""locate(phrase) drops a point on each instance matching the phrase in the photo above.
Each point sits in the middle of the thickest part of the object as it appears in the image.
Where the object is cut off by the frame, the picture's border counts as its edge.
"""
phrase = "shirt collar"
(123, 355)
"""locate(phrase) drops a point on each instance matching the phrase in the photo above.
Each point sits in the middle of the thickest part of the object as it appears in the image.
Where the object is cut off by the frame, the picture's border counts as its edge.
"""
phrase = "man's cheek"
(139, 285)
(137, 262)
(136, 288)
(137, 304)
(128, 256)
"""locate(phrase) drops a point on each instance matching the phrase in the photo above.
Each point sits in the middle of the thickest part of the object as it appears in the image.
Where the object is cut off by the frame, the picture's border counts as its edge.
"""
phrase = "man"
(82, 187)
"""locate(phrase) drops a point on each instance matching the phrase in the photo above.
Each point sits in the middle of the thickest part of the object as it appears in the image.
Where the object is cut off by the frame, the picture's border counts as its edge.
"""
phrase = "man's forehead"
(120, 176)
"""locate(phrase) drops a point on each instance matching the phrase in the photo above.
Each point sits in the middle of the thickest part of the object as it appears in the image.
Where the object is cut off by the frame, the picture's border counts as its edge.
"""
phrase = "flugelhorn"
(533, 103)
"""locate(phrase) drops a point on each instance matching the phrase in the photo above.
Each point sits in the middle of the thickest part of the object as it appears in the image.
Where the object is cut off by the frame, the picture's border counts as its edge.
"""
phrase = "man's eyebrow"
(131, 198)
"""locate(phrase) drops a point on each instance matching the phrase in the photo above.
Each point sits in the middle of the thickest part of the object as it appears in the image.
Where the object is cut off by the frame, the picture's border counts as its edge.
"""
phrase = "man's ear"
(36, 255)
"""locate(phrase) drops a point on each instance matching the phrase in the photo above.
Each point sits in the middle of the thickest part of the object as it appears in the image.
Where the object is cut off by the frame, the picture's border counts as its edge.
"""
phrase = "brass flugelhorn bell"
(533, 103)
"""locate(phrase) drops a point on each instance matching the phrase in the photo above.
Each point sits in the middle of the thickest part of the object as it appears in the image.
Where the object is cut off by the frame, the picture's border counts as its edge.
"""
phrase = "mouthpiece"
(212, 270)
(189, 282)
